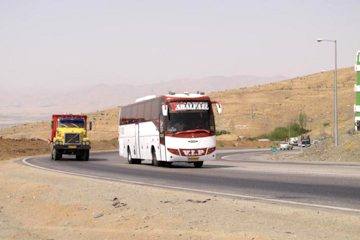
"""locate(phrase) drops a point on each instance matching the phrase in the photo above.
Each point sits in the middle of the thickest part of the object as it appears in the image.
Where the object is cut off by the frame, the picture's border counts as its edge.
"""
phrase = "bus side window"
(141, 112)
(124, 116)
(132, 113)
(155, 109)
(147, 109)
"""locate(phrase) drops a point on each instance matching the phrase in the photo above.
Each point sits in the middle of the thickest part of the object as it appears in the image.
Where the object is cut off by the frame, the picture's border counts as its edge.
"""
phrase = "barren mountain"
(39, 102)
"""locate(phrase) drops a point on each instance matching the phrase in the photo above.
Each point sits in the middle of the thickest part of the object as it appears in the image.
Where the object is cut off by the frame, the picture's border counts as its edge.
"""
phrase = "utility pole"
(335, 111)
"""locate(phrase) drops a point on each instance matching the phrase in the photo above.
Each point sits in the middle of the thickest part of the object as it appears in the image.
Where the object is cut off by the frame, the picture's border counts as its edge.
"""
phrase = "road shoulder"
(36, 204)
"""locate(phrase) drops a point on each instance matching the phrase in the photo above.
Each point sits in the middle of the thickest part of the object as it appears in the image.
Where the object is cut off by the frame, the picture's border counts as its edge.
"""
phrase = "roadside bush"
(221, 132)
(282, 133)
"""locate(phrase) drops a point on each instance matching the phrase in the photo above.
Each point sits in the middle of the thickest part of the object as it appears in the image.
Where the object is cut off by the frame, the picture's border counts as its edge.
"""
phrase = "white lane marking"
(285, 170)
(25, 161)
(228, 157)
(249, 150)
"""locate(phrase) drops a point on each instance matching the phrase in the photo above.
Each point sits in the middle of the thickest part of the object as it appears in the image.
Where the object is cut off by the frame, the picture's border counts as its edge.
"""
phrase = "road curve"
(242, 174)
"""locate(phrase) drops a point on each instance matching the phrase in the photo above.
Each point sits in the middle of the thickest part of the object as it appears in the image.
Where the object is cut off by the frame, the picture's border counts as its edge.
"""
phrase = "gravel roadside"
(35, 204)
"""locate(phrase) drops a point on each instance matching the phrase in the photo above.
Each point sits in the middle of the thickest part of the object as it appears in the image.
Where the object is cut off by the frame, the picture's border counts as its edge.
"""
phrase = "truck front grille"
(72, 138)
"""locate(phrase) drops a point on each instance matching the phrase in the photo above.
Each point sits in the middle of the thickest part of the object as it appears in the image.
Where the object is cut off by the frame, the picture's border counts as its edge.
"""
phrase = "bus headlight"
(211, 150)
(173, 151)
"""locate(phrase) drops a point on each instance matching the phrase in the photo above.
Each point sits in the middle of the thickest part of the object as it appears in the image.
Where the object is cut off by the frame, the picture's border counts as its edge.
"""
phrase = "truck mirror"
(165, 110)
(90, 126)
(218, 108)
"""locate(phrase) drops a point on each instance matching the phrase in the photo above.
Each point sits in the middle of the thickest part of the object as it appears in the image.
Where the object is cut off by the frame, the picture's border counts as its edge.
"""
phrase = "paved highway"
(242, 174)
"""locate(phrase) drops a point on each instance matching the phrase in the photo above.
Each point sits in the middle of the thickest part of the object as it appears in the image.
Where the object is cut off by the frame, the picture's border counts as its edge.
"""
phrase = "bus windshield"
(190, 120)
(72, 123)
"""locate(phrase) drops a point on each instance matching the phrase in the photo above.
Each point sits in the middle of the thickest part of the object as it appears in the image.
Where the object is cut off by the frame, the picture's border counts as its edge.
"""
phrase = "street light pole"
(335, 113)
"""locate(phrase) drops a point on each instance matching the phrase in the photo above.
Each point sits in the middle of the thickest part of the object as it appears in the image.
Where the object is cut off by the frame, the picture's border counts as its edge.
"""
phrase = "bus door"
(137, 141)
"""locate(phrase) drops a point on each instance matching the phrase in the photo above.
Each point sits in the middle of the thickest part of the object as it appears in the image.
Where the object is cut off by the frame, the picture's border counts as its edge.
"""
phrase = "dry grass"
(14, 148)
(258, 110)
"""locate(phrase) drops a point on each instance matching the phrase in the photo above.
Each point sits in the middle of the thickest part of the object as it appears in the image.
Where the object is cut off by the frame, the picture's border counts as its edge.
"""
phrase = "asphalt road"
(244, 174)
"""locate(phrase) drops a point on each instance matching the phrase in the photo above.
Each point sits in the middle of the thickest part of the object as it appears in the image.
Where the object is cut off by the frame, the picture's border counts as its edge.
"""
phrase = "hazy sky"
(76, 42)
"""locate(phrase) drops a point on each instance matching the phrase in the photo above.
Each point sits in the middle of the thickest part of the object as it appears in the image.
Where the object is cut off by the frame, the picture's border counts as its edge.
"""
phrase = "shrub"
(303, 119)
(282, 133)
(221, 132)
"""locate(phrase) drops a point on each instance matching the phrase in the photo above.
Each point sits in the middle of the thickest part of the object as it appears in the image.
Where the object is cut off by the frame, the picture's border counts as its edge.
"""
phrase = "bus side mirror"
(165, 110)
(218, 108)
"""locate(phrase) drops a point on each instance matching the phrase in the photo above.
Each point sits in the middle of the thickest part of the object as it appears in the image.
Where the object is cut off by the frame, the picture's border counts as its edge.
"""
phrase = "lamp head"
(319, 40)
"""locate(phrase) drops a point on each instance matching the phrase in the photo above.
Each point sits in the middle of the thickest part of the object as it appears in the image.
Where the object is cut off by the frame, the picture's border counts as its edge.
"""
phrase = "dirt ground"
(234, 141)
(13, 148)
(36, 204)
(324, 151)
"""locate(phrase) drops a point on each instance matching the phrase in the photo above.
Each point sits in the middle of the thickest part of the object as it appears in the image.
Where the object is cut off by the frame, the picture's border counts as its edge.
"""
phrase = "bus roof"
(175, 97)
(186, 96)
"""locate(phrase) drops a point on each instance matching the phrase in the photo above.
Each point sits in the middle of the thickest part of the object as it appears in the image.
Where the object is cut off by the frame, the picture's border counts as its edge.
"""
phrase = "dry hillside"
(248, 111)
(257, 110)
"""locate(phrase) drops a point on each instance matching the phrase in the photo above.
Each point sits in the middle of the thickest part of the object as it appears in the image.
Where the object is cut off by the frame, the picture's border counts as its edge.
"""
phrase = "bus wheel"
(155, 162)
(129, 158)
(198, 164)
(168, 164)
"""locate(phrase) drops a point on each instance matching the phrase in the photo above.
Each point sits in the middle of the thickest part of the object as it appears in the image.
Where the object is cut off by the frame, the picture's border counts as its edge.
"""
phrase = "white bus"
(170, 128)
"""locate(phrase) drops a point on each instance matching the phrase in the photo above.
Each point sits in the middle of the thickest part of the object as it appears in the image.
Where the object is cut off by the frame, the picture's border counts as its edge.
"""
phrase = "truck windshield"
(190, 120)
(72, 123)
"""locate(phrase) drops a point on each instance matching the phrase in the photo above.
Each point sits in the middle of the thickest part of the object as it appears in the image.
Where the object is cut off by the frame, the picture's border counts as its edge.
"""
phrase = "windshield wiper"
(193, 131)
(74, 124)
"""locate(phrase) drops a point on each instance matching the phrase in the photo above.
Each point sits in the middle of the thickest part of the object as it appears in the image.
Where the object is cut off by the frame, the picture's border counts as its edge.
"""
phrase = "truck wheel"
(86, 155)
(79, 155)
(198, 164)
(56, 155)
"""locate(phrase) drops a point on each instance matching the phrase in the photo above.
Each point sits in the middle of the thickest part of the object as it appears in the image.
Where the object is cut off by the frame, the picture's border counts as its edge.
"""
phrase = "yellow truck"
(69, 136)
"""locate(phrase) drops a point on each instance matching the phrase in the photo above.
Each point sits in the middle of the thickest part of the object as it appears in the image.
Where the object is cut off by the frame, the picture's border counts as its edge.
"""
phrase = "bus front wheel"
(155, 162)
(198, 164)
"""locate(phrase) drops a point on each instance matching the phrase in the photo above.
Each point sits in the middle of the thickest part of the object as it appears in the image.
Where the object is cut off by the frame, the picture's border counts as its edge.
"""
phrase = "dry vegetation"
(258, 110)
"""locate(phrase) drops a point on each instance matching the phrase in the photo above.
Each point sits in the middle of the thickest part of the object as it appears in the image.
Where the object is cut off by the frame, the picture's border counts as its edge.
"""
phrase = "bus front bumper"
(176, 158)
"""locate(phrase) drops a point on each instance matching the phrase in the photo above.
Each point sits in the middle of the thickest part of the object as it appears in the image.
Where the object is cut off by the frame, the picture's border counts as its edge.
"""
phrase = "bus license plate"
(193, 158)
